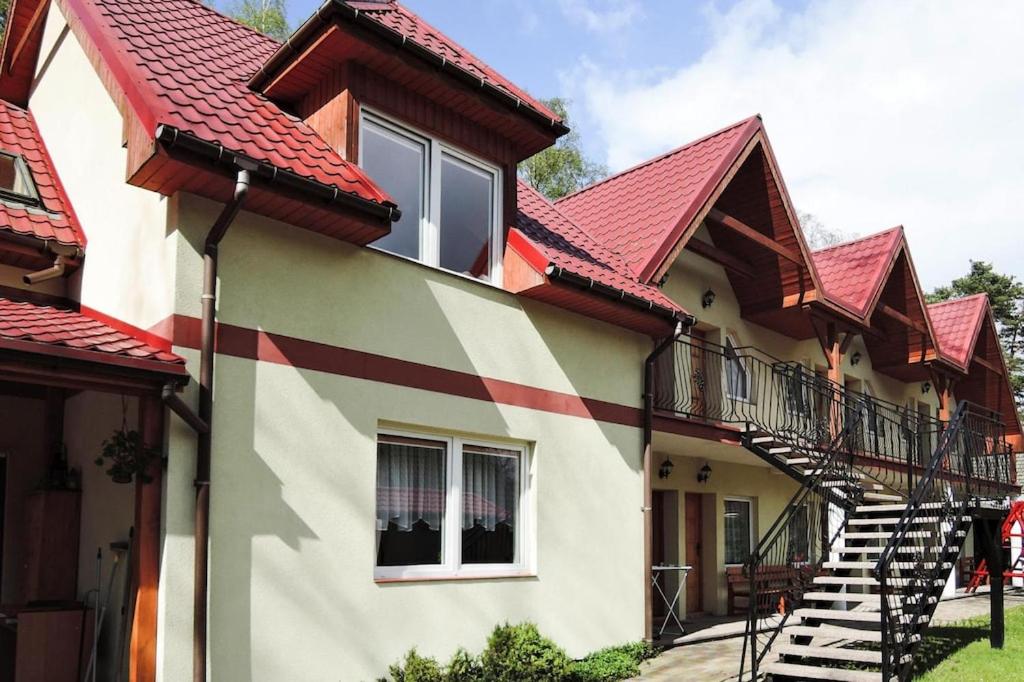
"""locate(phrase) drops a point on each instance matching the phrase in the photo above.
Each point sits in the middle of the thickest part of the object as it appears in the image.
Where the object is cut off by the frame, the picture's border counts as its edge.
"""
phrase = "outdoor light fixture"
(707, 299)
(926, 386)
(855, 359)
(665, 470)
(704, 474)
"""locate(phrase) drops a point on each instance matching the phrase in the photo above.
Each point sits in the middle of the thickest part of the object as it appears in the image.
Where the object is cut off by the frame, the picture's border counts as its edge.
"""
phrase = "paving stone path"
(718, 660)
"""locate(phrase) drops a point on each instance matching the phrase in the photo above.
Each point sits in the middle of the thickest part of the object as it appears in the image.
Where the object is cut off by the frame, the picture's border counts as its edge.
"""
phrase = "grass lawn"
(961, 653)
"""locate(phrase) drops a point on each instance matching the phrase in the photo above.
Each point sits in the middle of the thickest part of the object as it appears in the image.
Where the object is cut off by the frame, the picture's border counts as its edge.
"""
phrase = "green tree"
(5, 6)
(1006, 295)
(266, 16)
(563, 168)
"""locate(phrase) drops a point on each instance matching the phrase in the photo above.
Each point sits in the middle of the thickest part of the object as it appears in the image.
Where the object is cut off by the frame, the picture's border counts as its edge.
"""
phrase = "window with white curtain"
(737, 379)
(450, 200)
(739, 524)
(449, 506)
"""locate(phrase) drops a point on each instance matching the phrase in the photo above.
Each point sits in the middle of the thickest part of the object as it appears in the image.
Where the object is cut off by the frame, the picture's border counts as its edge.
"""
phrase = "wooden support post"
(146, 552)
(997, 631)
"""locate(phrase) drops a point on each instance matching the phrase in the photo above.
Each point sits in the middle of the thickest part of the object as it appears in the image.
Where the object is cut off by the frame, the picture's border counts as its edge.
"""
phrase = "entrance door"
(694, 525)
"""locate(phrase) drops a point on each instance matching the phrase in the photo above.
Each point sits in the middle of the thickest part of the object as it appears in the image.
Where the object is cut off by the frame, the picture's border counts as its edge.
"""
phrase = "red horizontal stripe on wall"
(252, 344)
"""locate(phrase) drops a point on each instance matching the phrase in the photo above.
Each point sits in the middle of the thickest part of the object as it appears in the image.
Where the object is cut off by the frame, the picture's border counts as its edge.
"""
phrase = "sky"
(880, 113)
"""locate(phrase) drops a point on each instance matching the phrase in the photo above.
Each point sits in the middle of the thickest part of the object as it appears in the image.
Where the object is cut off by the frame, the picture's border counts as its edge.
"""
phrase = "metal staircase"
(845, 582)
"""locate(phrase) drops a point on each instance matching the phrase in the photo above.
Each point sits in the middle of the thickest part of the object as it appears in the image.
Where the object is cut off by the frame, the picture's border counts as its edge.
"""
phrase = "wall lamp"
(707, 299)
(704, 474)
(855, 359)
(665, 470)
(926, 386)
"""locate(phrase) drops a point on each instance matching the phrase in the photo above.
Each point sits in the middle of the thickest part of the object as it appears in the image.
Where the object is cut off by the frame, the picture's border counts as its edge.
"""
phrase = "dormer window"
(15, 179)
(450, 200)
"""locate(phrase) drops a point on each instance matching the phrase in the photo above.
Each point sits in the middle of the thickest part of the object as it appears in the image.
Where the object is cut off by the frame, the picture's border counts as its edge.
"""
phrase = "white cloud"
(879, 113)
(601, 16)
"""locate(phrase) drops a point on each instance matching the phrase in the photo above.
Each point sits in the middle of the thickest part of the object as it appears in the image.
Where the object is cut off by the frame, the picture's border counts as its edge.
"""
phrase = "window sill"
(437, 268)
(455, 577)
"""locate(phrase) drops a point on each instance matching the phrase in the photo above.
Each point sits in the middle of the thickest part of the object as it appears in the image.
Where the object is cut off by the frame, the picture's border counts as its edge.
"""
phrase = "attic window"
(15, 180)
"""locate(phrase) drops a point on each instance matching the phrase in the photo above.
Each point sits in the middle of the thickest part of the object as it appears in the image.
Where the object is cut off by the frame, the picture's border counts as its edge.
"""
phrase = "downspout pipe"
(205, 417)
(648, 435)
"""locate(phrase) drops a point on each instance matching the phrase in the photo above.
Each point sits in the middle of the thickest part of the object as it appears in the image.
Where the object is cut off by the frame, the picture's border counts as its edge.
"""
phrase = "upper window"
(448, 506)
(450, 201)
(737, 378)
(15, 180)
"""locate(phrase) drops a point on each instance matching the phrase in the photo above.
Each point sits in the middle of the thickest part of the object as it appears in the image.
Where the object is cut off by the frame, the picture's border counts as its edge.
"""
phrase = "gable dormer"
(435, 126)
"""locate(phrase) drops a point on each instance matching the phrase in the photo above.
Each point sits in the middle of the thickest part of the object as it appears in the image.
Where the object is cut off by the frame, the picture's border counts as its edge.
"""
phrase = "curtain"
(490, 487)
(410, 484)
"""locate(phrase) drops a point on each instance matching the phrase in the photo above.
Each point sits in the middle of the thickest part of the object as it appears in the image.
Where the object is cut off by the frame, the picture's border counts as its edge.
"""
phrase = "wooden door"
(694, 524)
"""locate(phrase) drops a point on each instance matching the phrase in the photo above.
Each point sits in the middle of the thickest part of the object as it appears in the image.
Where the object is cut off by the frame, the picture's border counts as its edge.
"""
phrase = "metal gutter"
(303, 36)
(559, 274)
(174, 139)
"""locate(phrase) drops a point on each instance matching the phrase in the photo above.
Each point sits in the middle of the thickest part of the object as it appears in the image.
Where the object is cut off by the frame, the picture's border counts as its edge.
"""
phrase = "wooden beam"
(896, 315)
(753, 235)
(992, 367)
(721, 257)
(847, 340)
(146, 552)
(33, 24)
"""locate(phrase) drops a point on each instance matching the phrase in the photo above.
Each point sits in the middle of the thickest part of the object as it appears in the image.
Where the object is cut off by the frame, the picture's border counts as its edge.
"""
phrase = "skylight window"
(15, 180)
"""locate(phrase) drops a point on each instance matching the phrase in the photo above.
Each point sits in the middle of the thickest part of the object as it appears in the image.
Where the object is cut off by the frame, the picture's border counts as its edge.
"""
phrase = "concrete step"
(856, 597)
(831, 653)
(873, 617)
(809, 672)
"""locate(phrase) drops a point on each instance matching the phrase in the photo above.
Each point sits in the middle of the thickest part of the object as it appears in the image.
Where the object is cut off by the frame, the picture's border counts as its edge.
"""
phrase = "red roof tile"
(183, 65)
(852, 273)
(956, 324)
(403, 21)
(53, 219)
(40, 327)
(636, 211)
(567, 246)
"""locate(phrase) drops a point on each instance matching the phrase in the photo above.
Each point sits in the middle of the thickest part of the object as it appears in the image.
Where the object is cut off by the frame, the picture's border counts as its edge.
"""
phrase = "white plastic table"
(656, 573)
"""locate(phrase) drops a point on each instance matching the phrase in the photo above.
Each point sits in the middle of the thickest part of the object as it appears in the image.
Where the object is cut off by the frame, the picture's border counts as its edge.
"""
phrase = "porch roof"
(78, 336)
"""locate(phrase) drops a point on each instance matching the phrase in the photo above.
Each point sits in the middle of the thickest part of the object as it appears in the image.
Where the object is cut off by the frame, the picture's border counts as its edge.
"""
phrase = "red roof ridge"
(958, 299)
(856, 240)
(660, 157)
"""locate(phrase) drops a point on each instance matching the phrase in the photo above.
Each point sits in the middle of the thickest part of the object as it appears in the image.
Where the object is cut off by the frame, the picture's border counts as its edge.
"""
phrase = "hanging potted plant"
(125, 453)
(126, 456)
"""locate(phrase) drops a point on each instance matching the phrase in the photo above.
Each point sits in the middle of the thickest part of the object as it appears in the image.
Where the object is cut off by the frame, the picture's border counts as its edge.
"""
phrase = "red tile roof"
(403, 21)
(183, 65)
(563, 244)
(53, 219)
(53, 331)
(852, 273)
(635, 212)
(956, 324)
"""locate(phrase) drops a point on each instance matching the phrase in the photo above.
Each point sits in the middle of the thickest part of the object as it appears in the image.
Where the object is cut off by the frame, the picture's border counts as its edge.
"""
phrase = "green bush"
(519, 653)
(613, 663)
(416, 668)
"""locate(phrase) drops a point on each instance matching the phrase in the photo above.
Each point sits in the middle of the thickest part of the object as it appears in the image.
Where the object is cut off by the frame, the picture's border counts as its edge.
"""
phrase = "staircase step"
(891, 520)
(832, 653)
(834, 614)
(834, 632)
(758, 440)
(878, 549)
(866, 565)
(783, 450)
(886, 508)
(862, 597)
(808, 672)
(797, 460)
(884, 535)
(883, 497)
(844, 580)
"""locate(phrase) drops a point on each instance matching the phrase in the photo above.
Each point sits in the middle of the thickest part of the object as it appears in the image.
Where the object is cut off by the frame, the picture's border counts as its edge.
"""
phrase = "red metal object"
(852, 273)
(1013, 527)
(73, 335)
(54, 218)
(956, 325)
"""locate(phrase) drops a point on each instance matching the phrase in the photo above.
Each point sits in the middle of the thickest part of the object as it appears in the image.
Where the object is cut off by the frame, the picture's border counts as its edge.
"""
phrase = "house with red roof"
(298, 375)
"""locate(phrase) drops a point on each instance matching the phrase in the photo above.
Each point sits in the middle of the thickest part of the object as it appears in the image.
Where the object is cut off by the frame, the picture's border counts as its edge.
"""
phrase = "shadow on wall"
(278, 479)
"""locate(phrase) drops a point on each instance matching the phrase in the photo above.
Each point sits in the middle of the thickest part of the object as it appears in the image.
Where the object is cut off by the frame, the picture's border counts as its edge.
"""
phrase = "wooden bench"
(772, 583)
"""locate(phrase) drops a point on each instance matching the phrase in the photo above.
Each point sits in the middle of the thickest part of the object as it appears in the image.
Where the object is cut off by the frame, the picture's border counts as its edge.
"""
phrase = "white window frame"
(430, 226)
(451, 565)
(750, 519)
(730, 339)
